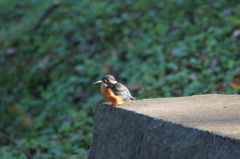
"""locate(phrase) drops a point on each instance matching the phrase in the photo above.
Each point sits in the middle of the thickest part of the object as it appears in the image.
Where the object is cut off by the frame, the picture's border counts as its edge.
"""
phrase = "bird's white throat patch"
(104, 84)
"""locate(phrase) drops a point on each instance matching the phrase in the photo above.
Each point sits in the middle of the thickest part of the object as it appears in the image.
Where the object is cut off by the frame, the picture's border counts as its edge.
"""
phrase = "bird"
(113, 91)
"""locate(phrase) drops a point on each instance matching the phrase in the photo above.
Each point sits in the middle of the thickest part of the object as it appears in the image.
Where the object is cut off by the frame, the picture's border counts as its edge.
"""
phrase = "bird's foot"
(111, 106)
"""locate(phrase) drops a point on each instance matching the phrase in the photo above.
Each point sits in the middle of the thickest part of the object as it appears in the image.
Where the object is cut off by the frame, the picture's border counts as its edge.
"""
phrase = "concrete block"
(194, 127)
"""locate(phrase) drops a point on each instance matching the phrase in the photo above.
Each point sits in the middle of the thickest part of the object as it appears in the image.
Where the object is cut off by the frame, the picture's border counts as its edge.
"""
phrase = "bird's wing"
(121, 90)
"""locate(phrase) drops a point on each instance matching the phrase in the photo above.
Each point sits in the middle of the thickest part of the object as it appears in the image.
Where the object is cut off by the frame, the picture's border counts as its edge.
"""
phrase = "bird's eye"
(105, 81)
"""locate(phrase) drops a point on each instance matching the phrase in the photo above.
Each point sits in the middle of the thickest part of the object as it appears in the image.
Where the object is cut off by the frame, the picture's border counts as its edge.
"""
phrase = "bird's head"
(105, 80)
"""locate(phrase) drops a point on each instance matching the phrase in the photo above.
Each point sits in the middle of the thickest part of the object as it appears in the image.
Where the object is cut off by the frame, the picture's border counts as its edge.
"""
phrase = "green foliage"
(158, 49)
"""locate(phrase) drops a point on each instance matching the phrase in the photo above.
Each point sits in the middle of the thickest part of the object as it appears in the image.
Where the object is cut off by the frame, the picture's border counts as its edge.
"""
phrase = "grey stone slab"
(215, 113)
(195, 127)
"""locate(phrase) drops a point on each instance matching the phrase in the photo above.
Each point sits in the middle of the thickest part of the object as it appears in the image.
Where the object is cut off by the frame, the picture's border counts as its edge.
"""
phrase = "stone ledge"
(195, 127)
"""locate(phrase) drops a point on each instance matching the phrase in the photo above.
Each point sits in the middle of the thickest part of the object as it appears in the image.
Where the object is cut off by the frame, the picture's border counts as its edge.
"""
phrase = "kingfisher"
(113, 91)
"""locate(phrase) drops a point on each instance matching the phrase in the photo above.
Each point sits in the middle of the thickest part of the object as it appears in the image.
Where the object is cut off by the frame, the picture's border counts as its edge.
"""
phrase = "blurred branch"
(47, 12)
(4, 138)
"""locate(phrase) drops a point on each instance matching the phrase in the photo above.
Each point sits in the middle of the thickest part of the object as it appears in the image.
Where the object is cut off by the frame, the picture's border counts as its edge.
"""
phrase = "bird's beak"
(98, 82)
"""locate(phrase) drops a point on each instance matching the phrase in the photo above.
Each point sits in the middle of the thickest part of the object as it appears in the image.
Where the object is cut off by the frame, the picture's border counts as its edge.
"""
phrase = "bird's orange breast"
(108, 94)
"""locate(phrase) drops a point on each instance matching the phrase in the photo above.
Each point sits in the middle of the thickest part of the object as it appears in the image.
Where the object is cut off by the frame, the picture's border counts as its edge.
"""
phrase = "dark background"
(156, 48)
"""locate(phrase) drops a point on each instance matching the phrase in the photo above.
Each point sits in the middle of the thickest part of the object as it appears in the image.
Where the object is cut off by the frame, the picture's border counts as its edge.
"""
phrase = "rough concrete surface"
(194, 127)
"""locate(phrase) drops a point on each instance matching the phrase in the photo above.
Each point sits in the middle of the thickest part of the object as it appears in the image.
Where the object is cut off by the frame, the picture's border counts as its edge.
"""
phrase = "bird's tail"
(131, 97)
